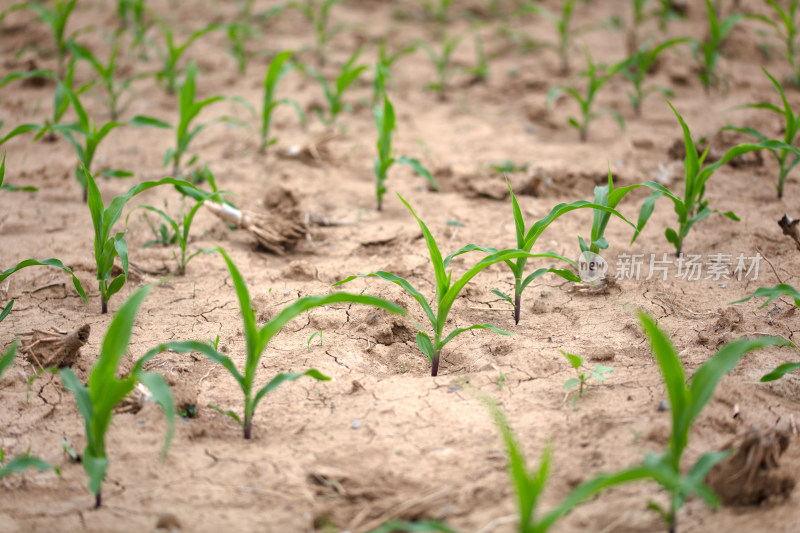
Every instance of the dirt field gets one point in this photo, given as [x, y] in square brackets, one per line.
[384, 439]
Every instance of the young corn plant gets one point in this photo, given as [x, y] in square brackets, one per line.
[595, 79]
[561, 22]
[576, 361]
[706, 52]
[441, 61]
[239, 33]
[437, 10]
[686, 403]
[447, 290]
[385, 122]
[526, 240]
[188, 109]
[334, 94]
[107, 247]
[790, 129]
[786, 29]
[317, 12]
[256, 340]
[107, 74]
[383, 68]
[172, 53]
[279, 66]
[480, 72]
[56, 18]
[132, 16]
[636, 67]
[104, 390]
[693, 207]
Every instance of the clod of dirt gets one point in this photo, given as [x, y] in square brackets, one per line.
[478, 184]
[752, 473]
[791, 228]
[720, 332]
[167, 522]
[314, 153]
[388, 330]
[300, 271]
[600, 286]
[55, 348]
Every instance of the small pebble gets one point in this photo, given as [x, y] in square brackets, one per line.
[287, 292]
[453, 388]
[663, 405]
[356, 424]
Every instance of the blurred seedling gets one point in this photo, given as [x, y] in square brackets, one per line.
[786, 29]
[278, 67]
[385, 123]
[317, 13]
[595, 79]
[383, 68]
[509, 167]
[96, 401]
[188, 108]
[480, 72]
[334, 93]
[790, 130]
[686, 403]
[693, 207]
[132, 16]
[668, 11]
[23, 462]
[442, 63]
[437, 10]
[56, 18]
[107, 247]
[446, 290]
[583, 374]
[311, 338]
[636, 67]
[772, 293]
[706, 52]
[239, 33]
[257, 339]
[562, 23]
[161, 233]
[171, 54]
[526, 240]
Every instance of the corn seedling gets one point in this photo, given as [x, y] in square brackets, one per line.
[576, 361]
[706, 52]
[686, 403]
[238, 34]
[278, 67]
[188, 109]
[171, 55]
[334, 94]
[668, 11]
[561, 22]
[480, 72]
[446, 290]
[385, 122]
[786, 29]
[131, 14]
[56, 18]
[108, 247]
[181, 228]
[441, 61]
[595, 79]
[437, 10]
[256, 340]
[161, 234]
[771, 293]
[311, 338]
[97, 400]
[636, 67]
[693, 207]
[526, 240]
[318, 13]
[23, 462]
[106, 73]
[790, 130]
[383, 68]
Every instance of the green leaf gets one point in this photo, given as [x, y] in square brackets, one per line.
[771, 293]
[575, 360]
[425, 345]
[405, 285]
[283, 377]
[458, 331]
[161, 394]
[571, 382]
[419, 169]
[6, 310]
[227, 412]
[140, 121]
[780, 371]
[22, 463]
[8, 358]
[46, 262]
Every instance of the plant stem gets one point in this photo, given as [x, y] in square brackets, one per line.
[248, 426]
[103, 305]
[435, 367]
[517, 306]
[98, 500]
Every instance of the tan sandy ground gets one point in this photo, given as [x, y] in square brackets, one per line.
[384, 439]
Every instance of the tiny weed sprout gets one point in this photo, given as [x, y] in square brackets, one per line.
[526, 240]
[257, 339]
[188, 109]
[771, 293]
[108, 247]
[181, 228]
[442, 63]
[446, 290]
[168, 75]
[334, 94]
[8, 186]
[23, 462]
[706, 52]
[595, 79]
[425, 526]
[561, 22]
[606, 196]
[786, 29]
[385, 122]
[311, 338]
[278, 67]
[107, 73]
[583, 375]
[693, 207]
[480, 72]
[97, 400]
[56, 19]
[790, 129]
[686, 404]
[636, 67]
[317, 12]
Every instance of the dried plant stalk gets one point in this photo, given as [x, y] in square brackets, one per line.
[790, 227]
[275, 233]
[55, 348]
